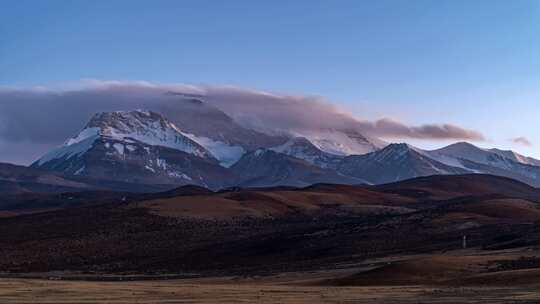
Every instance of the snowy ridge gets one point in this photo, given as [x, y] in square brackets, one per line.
[342, 142]
[516, 157]
[225, 153]
[393, 163]
[302, 148]
[397, 152]
[147, 127]
[73, 147]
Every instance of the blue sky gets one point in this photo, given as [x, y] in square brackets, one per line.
[471, 63]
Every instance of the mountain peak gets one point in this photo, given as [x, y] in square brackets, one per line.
[393, 152]
[303, 148]
[394, 162]
[127, 128]
[399, 147]
[467, 155]
[295, 143]
[463, 146]
[341, 142]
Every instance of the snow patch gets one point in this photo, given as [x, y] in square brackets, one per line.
[179, 175]
[144, 127]
[226, 154]
[161, 163]
[80, 170]
[83, 135]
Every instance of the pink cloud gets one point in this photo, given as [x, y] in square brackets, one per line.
[522, 141]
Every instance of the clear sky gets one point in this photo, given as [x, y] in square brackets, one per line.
[472, 63]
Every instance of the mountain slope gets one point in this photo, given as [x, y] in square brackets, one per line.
[265, 167]
[18, 179]
[446, 186]
[525, 173]
[516, 157]
[394, 163]
[302, 148]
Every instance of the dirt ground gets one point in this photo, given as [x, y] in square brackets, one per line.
[186, 291]
[456, 270]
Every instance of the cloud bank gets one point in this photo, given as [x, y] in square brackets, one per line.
[268, 112]
[46, 117]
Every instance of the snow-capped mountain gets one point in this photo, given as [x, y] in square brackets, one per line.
[129, 127]
[342, 142]
[490, 161]
[135, 146]
[454, 155]
[394, 163]
[302, 148]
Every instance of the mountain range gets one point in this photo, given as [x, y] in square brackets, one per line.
[140, 150]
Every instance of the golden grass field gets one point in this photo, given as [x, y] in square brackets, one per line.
[453, 277]
[182, 291]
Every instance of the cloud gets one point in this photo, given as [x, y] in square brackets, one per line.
[270, 112]
[47, 116]
[521, 141]
[390, 128]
